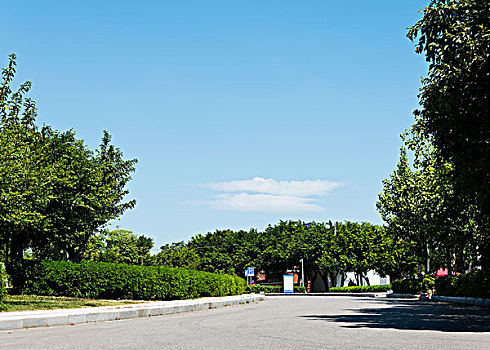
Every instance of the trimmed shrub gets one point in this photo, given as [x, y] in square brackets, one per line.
[474, 284]
[299, 289]
[409, 286]
[3, 285]
[428, 283]
[99, 280]
[361, 289]
[272, 289]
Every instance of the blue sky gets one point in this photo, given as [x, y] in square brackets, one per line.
[240, 113]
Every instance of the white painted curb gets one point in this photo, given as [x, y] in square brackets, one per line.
[46, 318]
[332, 294]
[462, 300]
[403, 296]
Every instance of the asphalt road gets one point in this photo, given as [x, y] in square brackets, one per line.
[280, 323]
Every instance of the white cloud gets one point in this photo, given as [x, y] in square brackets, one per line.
[250, 203]
[270, 186]
[269, 195]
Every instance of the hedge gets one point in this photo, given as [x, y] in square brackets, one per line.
[3, 285]
[272, 289]
[361, 289]
[474, 284]
[408, 286]
[120, 281]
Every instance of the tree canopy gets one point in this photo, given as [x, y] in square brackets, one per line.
[120, 246]
[54, 192]
[328, 250]
[454, 36]
[441, 202]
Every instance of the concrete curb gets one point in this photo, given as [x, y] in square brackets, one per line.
[456, 300]
[363, 295]
[402, 296]
[463, 300]
[61, 317]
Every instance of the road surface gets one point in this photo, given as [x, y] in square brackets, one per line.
[291, 322]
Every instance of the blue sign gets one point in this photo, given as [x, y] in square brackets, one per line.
[288, 284]
[249, 272]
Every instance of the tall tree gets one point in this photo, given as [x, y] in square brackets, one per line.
[421, 209]
[24, 176]
[454, 36]
[54, 192]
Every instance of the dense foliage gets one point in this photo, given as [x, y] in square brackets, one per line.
[328, 251]
[3, 285]
[454, 36]
[120, 281]
[177, 255]
[421, 207]
[473, 284]
[55, 193]
[361, 289]
[120, 246]
[440, 203]
[407, 286]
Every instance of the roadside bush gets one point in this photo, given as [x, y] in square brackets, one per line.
[361, 289]
[99, 280]
[474, 284]
[428, 283]
[3, 285]
[408, 286]
[272, 289]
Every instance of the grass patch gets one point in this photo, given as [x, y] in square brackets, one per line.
[36, 302]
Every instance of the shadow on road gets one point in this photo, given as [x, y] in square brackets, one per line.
[415, 315]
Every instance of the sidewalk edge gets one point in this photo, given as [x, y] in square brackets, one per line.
[76, 316]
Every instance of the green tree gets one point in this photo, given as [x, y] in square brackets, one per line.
[333, 258]
[402, 204]
[423, 212]
[247, 252]
[454, 36]
[310, 243]
[226, 251]
[278, 251]
[401, 258]
[54, 192]
[120, 246]
[177, 255]
[363, 247]
[327, 252]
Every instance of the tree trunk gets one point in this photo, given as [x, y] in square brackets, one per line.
[449, 263]
[333, 279]
[358, 279]
[324, 277]
[15, 255]
[366, 279]
[312, 278]
[427, 261]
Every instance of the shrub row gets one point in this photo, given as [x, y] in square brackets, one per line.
[408, 286]
[474, 284]
[361, 289]
[3, 285]
[271, 289]
[120, 281]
